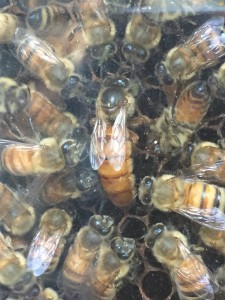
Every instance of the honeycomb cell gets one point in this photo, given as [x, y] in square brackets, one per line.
[133, 228]
[129, 291]
[157, 285]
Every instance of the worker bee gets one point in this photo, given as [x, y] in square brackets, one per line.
[202, 49]
[97, 27]
[48, 243]
[80, 257]
[125, 250]
[38, 57]
[69, 184]
[213, 238]
[14, 97]
[216, 82]
[23, 159]
[9, 24]
[13, 264]
[110, 147]
[177, 123]
[17, 216]
[208, 161]
[104, 274]
[201, 202]
[48, 19]
[47, 118]
[142, 34]
[191, 276]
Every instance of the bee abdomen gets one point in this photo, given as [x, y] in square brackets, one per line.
[197, 281]
[193, 104]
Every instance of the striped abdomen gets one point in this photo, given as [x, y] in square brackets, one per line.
[47, 118]
[193, 282]
[22, 160]
[202, 195]
[193, 103]
[48, 18]
[9, 23]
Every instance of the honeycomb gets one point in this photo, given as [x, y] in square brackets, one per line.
[147, 279]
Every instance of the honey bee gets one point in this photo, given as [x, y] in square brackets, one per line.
[69, 184]
[47, 118]
[142, 34]
[104, 274]
[48, 243]
[216, 83]
[110, 147]
[38, 58]
[80, 257]
[177, 123]
[22, 159]
[97, 27]
[14, 97]
[13, 264]
[17, 217]
[48, 19]
[192, 278]
[9, 24]
[208, 161]
[125, 250]
[213, 238]
[201, 202]
[201, 50]
[21, 6]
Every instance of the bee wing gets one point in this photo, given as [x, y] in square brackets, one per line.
[23, 36]
[117, 143]
[192, 273]
[210, 33]
[97, 144]
[42, 250]
[213, 217]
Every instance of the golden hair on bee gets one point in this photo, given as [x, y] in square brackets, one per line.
[47, 118]
[22, 159]
[104, 273]
[192, 278]
[12, 264]
[55, 224]
[201, 50]
[201, 202]
[48, 19]
[39, 59]
[208, 161]
[14, 96]
[97, 27]
[213, 238]
[80, 257]
[175, 126]
[143, 33]
[9, 23]
[17, 216]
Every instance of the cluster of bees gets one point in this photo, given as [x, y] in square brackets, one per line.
[74, 112]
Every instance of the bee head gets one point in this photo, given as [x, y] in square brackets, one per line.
[153, 234]
[123, 247]
[103, 224]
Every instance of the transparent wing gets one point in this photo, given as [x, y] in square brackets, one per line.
[42, 250]
[97, 144]
[23, 39]
[213, 217]
[192, 277]
[208, 39]
[117, 142]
